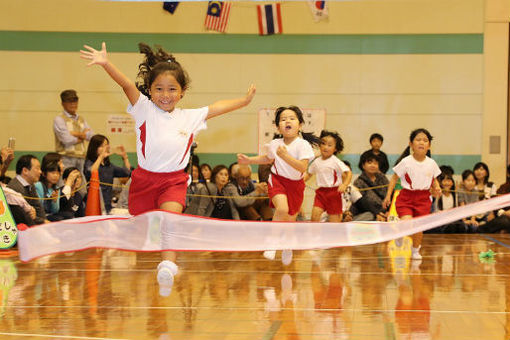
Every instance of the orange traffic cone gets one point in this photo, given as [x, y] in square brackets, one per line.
[93, 200]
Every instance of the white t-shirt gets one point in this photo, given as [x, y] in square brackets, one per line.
[328, 172]
[416, 175]
[299, 149]
[163, 140]
[447, 201]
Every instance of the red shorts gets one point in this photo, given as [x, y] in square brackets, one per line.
[328, 199]
[149, 190]
[413, 202]
[294, 190]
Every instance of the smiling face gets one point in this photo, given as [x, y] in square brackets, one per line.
[327, 147]
[166, 92]
[420, 145]
[289, 124]
[371, 167]
[446, 183]
[480, 174]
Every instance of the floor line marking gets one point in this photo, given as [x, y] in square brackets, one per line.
[497, 241]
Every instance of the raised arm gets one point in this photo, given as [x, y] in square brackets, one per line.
[101, 58]
[224, 106]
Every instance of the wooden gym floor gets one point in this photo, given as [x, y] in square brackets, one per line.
[364, 292]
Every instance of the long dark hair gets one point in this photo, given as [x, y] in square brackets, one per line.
[48, 167]
[486, 168]
[412, 136]
[95, 142]
[446, 174]
[156, 62]
[309, 137]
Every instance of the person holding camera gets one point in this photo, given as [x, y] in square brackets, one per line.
[71, 200]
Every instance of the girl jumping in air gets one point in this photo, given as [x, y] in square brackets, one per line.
[289, 156]
[332, 176]
[164, 135]
[417, 174]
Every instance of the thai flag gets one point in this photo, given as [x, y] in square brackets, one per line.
[217, 15]
[270, 19]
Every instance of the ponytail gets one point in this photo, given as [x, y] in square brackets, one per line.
[311, 138]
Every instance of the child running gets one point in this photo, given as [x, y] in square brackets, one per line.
[164, 135]
[417, 174]
[332, 176]
[289, 157]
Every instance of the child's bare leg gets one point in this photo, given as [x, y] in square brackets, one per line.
[316, 214]
[335, 218]
[281, 205]
[167, 268]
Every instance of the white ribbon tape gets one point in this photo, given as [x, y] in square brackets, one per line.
[161, 230]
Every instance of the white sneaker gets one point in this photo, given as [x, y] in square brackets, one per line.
[286, 256]
[415, 253]
[270, 254]
[166, 272]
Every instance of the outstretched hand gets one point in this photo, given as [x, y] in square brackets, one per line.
[250, 94]
[95, 56]
[243, 159]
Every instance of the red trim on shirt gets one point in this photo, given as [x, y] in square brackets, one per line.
[190, 141]
[142, 137]
[408, 180]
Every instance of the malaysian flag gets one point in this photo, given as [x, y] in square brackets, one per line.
[217, 15]
[270, 19]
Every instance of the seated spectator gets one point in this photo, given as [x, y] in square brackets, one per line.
[248, 206]
[232, 168]
[501, 223]
[71, 201]
[192, 201]
[486, 188]
[376, 141]
[469, 194]
[48, 190]
[55, 157]
[21, 211]
[6, 157]
[205, 172]
[447, 200]
[352, 203]
[505, 187]
[28, 171]
[98, 153]
[217, 207]
[371, 177]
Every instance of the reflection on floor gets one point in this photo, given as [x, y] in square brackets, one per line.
[366, 292]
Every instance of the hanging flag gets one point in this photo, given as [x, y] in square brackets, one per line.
[270, 19]
[217, 15]
[319, 9]
[170, 6]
